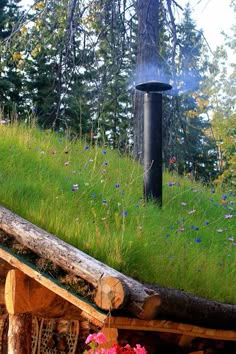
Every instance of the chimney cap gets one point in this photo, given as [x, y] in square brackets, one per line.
[153, 86]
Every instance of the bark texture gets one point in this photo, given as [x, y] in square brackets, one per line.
[148, 62]
[180, 306]
[19, 334]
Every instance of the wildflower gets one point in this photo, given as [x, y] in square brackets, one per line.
[228, 216]
[194, 228]
[231, 238]
[223, 201]
[105, 163]
[90, 160]
[198, 240]
[181, 229]
[52, 152]
[171, 183]
[86, 147]
[224, 197]
[104, 201]
[183, 204]
[206, 222]
[66, 163]
[75, 187]
[93, 195]
[172, 160]
[117, 185]
[192, 211]
[104, 152]
[219, 230]
[124, 213]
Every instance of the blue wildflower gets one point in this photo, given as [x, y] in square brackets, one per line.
[93, 195]
[124, 213]
[117, 185]
[104, 201]
[224, 197]
[75, 187]
[105, 163]
[104, 152]
[86, 147]
[198, 240]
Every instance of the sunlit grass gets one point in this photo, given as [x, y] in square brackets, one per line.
[189, 244]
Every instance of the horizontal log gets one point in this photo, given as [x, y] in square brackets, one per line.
[77, 262]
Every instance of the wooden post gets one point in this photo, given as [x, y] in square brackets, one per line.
[2, 293]
[19, 334]
[111, 336]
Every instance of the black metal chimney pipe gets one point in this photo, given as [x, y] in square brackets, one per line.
[152, 180]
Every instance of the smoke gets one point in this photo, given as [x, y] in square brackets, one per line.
[187, 81]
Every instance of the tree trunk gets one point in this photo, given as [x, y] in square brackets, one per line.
[19, 334]
[148, 62]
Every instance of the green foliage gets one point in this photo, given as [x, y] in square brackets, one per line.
[188, 244]
[10, 78]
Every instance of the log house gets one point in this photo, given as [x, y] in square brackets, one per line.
[41, 314]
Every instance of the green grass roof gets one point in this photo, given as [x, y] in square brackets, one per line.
[91, 197]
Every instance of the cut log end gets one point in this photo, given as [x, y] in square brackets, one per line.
[150, 307]
[111, 293]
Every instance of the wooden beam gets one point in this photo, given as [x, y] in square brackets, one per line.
[19, 334]
[169, 327]
[25, 295]
[4, 268]
[142, 302]
[88, 311]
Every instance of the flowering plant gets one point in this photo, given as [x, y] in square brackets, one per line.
[95, 339]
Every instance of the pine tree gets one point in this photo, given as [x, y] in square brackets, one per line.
[10, 78]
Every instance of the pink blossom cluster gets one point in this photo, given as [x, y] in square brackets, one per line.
[95, 339]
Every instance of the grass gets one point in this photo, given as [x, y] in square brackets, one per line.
[188, 244]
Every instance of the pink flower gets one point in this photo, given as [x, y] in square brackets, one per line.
[90, 338]
[228, 216]
[139, 349]
[53, 152]
[100, 338]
